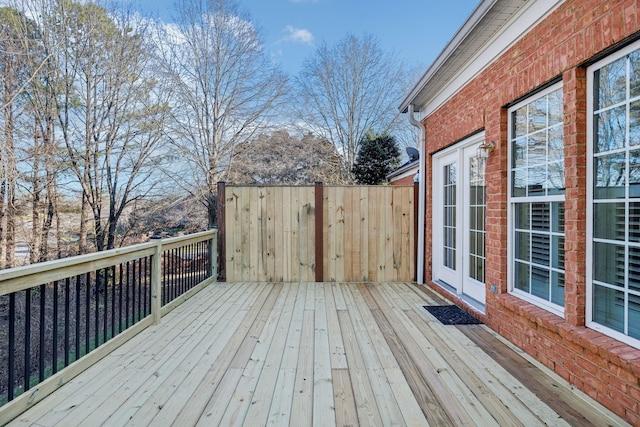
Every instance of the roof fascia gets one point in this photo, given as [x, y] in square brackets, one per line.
[496, 35]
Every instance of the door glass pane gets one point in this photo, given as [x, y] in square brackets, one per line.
[477, 207]
[449, 216]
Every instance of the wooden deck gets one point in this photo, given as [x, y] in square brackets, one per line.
[314, 354]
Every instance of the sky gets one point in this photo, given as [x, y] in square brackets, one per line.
[417, 30]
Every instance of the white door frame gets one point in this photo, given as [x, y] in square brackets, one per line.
[461, 155]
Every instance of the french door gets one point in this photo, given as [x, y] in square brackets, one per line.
[459, 202]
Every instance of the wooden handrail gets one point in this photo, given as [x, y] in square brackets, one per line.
[20, 278]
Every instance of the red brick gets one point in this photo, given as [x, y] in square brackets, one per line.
[624, 400]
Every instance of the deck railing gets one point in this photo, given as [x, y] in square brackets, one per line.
[59, 317]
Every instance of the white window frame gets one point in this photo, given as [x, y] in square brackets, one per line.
[542, 303]
[590, 323]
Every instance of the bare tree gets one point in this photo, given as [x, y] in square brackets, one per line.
[110, 113]
[13, 69]
[280, 158]
[225, 89]
[348, 90]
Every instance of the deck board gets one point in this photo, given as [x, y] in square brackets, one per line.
[313, 354]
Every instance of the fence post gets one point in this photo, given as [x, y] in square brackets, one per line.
[319, 211]
[220, 219]
[213, 255]
[156, 284]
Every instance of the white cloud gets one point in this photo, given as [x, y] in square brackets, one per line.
[297, 35]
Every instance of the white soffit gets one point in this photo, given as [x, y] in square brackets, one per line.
[493, 27]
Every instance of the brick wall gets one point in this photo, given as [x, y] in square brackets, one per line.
[407, 180]
[604, 368]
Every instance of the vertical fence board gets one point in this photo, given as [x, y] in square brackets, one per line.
[363, 225]
[374, 223]
[367, 233]
[278, 230]
[349, 228]
[271, 235]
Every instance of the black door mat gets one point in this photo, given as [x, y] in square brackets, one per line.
[451, 315]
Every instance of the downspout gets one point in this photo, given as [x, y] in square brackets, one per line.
[421, 193]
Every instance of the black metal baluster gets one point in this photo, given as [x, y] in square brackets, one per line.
[77, 315]
[189, 266]
[12, 346]
[41, 331]
[54, 353]
[147, 303]
[197, 269]
[120, 299]
[27, 339]
[174, 273]
[149, 284]
[87, 305]
[67, 282]
[207, 260]
[164, 282]
[126, 300]
[140, 297]
[97, 286]
[180, 260]
[105, 289]
[113, 301]
[133, 293]
[168, 260]
[184, 275]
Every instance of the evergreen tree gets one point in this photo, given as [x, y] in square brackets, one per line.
[378, 156]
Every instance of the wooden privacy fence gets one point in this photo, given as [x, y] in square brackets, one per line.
[317, 233]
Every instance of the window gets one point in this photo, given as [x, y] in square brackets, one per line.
[613, 264]
[537, 199]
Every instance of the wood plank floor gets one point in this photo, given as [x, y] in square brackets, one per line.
[319, 354]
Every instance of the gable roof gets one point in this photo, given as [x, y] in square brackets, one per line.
[491, 28]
